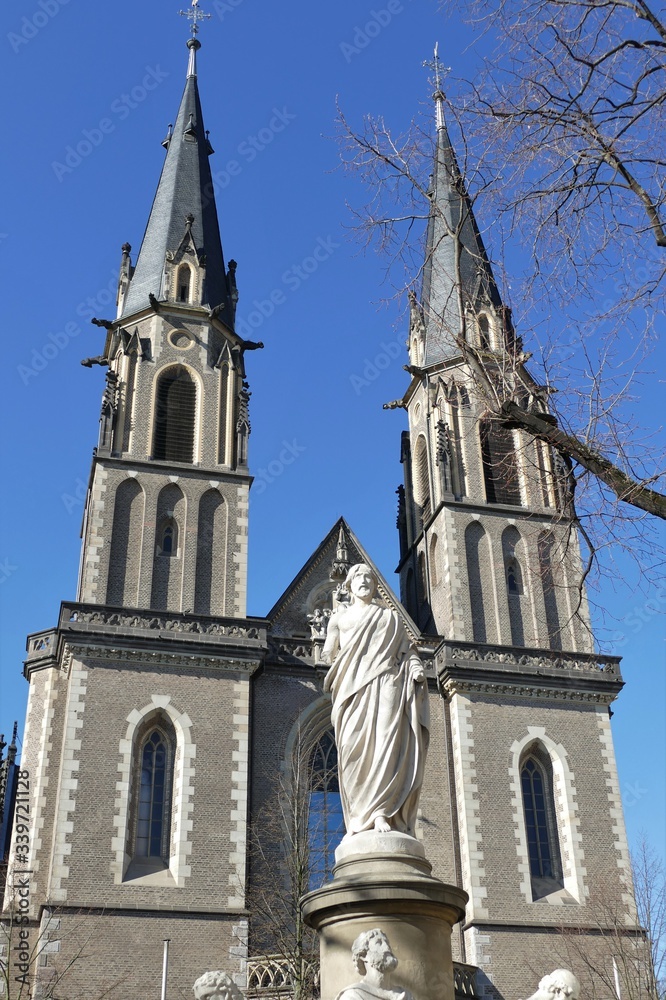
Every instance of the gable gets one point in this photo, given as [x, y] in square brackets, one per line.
[312, 587]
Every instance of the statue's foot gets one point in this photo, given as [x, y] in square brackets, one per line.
[382, 825]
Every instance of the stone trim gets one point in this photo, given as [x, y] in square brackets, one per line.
[182, 806]
[239, 548]
[616, 814]
[239, 795]
[467, 795]
[94, 540]
[478, 947]
[68, 781]
[238, 953]
[566, 810]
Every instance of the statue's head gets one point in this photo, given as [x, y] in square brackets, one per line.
[560, 985]
[372, 949]
[361, 581]
[216, 986]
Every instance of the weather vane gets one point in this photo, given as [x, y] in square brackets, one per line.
[195, 15]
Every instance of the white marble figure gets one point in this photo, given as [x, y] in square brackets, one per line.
[380, 710]
[374, 960]
[559, 985]
[216, 986]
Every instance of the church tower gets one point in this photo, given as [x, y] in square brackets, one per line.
[136, 743]
[490, 569]
[166, 517]
[487, 551]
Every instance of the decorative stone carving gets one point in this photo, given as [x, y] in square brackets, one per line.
[318, 622]
[162, 623]
[552, 660]
[216, 986]
[109, 408]
[374, 960]
[559, 985]
[380, 710]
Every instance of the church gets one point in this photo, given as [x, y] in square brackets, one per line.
[164, 724]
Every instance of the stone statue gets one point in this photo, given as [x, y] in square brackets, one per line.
[559, 985]
[216, 986]
[374, 960]
[318, 622]
[380, 710]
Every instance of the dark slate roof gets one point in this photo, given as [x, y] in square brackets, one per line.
[185, 187]
[452, 208]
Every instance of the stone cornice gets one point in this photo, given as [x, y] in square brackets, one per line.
[168, 469]
[163, 658]
[522, 689]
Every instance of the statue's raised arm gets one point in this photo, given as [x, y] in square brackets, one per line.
[380, 710]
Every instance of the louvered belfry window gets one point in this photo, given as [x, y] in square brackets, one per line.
[175, 416]
[500, 467]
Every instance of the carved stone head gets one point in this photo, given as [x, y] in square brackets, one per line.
[558, 985]
[216, 986]
[372, 949]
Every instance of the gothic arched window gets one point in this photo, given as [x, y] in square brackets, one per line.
[149, 832]
[500, 465]
[536, 780]
[168, 538]
[175, 413]
[484, 332]
[513, 577]
[326, 826]
[184, 282]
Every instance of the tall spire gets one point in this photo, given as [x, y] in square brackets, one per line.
[185, 189]
[457, 270]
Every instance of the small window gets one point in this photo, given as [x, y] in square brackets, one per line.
[513, 578]
[484, 332]
[168, 536]
[184, 280]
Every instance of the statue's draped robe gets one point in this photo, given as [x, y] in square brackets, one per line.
[380, 716]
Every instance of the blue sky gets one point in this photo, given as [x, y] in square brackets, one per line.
[106, 79]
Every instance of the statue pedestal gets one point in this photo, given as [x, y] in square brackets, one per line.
[384, 881]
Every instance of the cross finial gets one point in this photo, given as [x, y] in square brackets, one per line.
[195, 15]
[438, 96]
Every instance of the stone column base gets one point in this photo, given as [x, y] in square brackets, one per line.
[389, 887]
